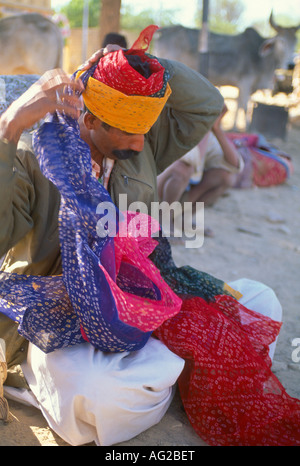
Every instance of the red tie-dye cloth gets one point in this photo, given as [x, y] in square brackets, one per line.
[228, 390]
[115, 71]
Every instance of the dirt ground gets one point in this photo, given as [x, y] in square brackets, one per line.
[256, 235]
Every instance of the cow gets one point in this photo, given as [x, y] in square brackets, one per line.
[30, 44]
[246, 61]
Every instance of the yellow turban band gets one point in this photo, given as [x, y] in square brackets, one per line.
[131, 113]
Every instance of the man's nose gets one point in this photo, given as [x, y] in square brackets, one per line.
[137, 143]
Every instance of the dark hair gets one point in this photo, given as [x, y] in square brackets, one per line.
[86, 110]
[106, 126]
[114, 38]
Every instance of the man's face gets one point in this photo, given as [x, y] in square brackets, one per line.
[114, 143]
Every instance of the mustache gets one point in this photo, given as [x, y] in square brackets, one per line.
[124, 154]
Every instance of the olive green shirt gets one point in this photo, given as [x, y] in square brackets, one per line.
[29, 205]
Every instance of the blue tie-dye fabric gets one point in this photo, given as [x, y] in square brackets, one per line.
[50, 310]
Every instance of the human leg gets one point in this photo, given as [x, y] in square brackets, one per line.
[172, 184]
[214, 183]
[87, 395]
[173, 181]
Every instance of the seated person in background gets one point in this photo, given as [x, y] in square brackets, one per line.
[205, 172]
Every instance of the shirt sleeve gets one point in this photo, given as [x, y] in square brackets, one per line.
[188, 115]
[17, 196]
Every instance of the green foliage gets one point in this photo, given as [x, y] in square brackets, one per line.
[136, 22]
[74, 12]
[224, 16]
[129, 21]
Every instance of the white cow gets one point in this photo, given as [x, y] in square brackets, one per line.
[30, 44]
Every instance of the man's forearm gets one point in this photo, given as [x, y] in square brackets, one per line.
[230, 152]
[10, 130]
[37, 101]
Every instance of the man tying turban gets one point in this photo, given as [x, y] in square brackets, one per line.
[101, 398]
[87, 377]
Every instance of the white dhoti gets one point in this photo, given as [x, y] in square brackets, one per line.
[259, 298]
[86, 395]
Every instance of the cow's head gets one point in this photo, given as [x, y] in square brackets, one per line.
[281, 46]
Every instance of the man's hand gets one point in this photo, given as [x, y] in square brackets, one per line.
[45, 96]
[217, 123]
[99, 54]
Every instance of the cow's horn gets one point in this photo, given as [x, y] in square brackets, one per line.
[272, 22]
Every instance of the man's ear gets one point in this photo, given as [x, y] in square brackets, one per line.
[89, 120]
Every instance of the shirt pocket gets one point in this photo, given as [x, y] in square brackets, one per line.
[125, 189]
